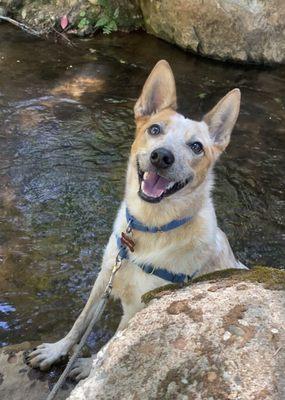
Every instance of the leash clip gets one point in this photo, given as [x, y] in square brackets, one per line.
[118, 260]
[129, 228]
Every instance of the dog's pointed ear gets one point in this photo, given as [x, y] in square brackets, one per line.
[159, 91]
[222, 118]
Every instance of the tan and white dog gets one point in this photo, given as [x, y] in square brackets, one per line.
[169, 178]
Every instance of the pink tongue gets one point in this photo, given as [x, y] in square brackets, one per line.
[154, 185]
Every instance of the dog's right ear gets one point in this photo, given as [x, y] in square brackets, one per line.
[159, 91]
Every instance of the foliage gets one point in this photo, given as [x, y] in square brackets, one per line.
[84, 22]
[108, 20]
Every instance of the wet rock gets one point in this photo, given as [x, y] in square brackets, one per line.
[11, 5]
[3, 11]
[242, 31]
[20, 382]
[196, 343]
[247, 31]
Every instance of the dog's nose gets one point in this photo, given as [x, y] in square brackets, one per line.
[162, 158]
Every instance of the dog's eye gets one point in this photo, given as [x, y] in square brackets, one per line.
[197, 147]
[154, 130]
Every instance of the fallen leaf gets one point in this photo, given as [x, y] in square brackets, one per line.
[64, 22]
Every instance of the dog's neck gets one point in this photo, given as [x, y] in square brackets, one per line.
[169, 209]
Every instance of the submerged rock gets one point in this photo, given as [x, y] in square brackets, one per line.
[245, 30]
[219, 339]
[20, 382]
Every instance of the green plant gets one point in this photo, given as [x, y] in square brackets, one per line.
[84, 21]
[108, 20]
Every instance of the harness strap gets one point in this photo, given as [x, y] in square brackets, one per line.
[137, 225]
[150, 269]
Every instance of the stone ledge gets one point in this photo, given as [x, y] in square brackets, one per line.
[219, 339]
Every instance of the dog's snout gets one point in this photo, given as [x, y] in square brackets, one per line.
[162, 158]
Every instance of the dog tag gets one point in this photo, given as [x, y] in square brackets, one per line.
[127, 241]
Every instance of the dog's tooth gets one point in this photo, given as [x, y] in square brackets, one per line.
[170, 185]
[145, 175]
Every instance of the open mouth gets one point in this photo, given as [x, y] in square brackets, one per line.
[153, 187]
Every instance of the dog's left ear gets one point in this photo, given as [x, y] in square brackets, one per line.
[222, 118]
[159, 91]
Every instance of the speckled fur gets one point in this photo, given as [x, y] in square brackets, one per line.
[198, 246]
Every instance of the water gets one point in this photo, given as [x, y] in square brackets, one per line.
[66, 127]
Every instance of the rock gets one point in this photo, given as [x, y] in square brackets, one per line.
[20, 382]
[243, 31]
[219, 339]
[3, 12]
[11, 5]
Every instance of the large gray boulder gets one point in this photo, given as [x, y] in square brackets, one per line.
[214, 340]
[243, 30]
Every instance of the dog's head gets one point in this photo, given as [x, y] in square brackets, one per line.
[172, 155]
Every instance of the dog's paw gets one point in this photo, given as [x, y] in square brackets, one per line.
[81, 369]
[47, 354]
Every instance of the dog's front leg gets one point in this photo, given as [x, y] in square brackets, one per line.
[48, 353]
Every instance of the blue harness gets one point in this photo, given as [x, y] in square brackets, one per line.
[162, 273]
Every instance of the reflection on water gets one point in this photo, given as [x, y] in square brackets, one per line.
[66, 126]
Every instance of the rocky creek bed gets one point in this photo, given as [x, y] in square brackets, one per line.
[251, 31]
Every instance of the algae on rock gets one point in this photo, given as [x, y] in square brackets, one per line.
[271, 278]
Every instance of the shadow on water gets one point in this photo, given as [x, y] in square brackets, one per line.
[66, 127]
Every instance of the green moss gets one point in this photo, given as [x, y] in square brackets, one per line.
[224, 274]
[271, 278]
[156, 293]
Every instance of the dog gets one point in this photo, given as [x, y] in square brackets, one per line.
[167, 215]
